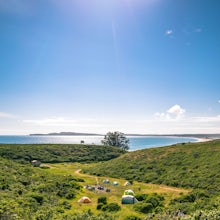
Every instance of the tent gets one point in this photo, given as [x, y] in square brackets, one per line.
[106, 181]
[128, 199]
[84, 199]
[36, 163]
[127, 184]
[91, 188]
[129, 192]
[115, 183]
[100, 187]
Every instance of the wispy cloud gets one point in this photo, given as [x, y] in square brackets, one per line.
[60, 121]
[219, 101]
[171, 121]
[169, 32]
[55, 121]
[6, 115]
[207, 119]
[173, 113]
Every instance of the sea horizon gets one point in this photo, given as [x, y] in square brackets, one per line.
[135, 142]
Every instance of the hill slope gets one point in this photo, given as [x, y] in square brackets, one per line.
[34, 193]
[192, 165]
[55, 153]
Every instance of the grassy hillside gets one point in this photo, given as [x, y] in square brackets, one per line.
[114, 196]
[55, 153]
[34, 193]
[192, 165]
[28, 192]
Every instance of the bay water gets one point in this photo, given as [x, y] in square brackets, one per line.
[135, 142]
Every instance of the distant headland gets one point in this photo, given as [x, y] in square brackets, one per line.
[203, 136]
[66, 134]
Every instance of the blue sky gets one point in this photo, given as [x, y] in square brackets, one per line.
[137, 66]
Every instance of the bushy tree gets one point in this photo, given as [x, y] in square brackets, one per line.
[102, 199]
[111, 207]
[143, 207]
[116, 139]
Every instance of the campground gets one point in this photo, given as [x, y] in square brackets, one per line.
[116, 192]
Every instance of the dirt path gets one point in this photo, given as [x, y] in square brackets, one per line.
[173, 189]
[97, 181]
[162, 187]
[78, 172]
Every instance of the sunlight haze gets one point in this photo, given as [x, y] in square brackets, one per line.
[135, 66]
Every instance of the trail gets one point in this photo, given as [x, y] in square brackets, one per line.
[78, 172]
[164, 187]
[173, 189]
[97, 181]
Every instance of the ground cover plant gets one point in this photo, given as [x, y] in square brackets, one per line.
[56, 153]
[28, 192]
[193, 166]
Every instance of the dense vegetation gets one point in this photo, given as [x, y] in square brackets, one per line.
[193, 165]
[55, 153]
[33, 193]
[28, 192]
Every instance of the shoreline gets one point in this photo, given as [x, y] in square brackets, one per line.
[199, 140]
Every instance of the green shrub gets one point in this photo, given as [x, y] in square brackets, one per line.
[154, 201]
[37, 197]
[70, 195]
[132, 217]
[56, 153]
[143, 207]
[102, 199]
[99, 206]
[111, 207]
[207, 215]
[66, 205]
[141, 197]
[33, 193]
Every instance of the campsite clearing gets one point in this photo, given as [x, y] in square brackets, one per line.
[116, 192]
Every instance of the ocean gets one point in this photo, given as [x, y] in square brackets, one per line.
[136, 143]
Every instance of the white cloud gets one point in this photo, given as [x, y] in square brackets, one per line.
[219, 101]
[169, 32]
[207, 119]
[61, 122]
[176, 111]
[6, 115]
[47, 121]
[161, 116]
[171, 121]
[173, 113]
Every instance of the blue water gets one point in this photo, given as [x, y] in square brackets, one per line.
[136, 143]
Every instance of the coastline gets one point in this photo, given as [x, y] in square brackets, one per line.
[199, 140]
